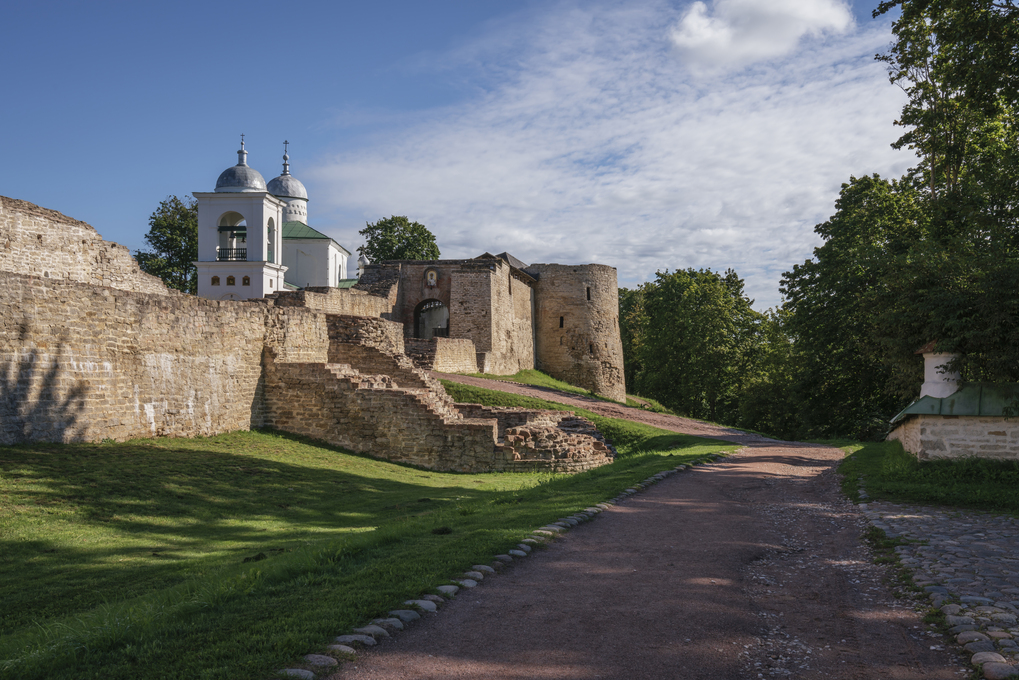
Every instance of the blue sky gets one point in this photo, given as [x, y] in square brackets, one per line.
[645, 134]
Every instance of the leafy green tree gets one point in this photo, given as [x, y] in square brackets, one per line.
[397, 238]
[631, 323]
[833, 301]
[173, 244]
[957, 62]
[768, 401]
[696, 342]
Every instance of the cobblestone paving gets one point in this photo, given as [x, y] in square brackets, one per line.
[969, 563]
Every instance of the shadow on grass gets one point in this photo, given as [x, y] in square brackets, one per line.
[86, 523]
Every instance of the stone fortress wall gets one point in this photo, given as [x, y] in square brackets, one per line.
[84, 361]
[577, 326]
[45, 243]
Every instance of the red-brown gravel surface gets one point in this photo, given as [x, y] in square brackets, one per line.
[751, 567]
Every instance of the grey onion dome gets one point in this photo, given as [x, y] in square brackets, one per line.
[240, 177]
[286, 185]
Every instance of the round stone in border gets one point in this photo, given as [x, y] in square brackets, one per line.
[523, 546]
[342, 649]
[474, 575]
[422, 604]
[366, 640]
[373, 630]
[448, 591]
[298, 673]
[987, 657]
[518, 553]
[999, 671]
[320, 660]
[468, 583]
[484, 568]
[505, 559]
[970, 636]
[405, 615]
[392, 625]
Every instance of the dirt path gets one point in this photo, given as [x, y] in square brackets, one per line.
[748, 568]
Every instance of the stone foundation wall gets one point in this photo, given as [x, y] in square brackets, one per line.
[446, 355]
[44, 243]
[933, 437]
[81, 363]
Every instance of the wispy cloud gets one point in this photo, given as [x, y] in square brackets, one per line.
[590, 141]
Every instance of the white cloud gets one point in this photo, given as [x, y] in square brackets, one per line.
[740, 32]
[595, 146]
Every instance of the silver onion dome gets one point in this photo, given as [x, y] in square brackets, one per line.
[240, 177]
[286, 185]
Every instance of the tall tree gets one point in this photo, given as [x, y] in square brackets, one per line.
[833, 302]
[173, 244]
[958, 62]
[397, 238]
[696, 343]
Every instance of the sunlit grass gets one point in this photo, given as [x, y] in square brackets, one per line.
[890, 473]
[230, 556]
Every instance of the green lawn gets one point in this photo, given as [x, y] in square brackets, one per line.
[231, 556]
[890, 473]
[538, 379]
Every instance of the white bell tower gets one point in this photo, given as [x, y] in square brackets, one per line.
[240, 236]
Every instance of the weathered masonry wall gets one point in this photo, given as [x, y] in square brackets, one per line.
[81, 363]
[41, 242]
[512, 325]
[365, 330]
[931, 437]
[446, 355]
[347, 301]
[366, 414]
[577, 326]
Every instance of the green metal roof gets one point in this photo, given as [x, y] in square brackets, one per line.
[972, 399]
[301, 230]
[346, 283]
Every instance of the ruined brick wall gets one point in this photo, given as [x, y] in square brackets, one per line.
[349, 301]
[446, 355]
[365, 330]
[931, 437]
[577, 326]
[312, 400]
[45, 243]
[81, 363]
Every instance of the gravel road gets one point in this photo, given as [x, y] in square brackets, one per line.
[750, 567]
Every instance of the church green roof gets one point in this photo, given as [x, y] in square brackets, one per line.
[972, 399]
[301, 230]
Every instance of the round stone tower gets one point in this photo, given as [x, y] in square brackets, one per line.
[577, 326]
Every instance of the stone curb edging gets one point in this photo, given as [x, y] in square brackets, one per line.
[973, 636]
[368, 636]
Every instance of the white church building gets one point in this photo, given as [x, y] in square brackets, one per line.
[254, 238]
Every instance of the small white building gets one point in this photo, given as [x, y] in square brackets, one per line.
[254, 238]
[956, 419]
